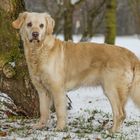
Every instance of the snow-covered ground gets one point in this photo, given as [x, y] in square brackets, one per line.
[90, 114]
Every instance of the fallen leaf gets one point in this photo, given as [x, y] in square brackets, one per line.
[3, 134]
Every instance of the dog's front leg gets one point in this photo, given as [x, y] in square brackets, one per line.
[44, 110]
[59, 98]
[44, 105]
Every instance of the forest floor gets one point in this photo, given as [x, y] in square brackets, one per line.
[89, 118]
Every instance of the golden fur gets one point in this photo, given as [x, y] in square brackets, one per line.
[57, 66]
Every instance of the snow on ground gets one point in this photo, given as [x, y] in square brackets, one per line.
[89, 117]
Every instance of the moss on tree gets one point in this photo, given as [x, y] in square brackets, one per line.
[110, 21]
[14, 80]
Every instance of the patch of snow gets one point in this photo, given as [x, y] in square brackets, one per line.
[4, 110]
[12, 64]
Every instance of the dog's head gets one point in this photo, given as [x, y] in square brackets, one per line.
[34, 26]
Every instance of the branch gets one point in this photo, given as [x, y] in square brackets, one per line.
[96, 11]
[78, 3]
[96, 27]
[58, 16]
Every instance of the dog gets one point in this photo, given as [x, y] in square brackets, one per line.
[56, 67]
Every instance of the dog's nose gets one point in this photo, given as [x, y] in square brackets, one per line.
[35, 34]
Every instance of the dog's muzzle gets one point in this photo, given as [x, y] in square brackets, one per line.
[35, 36]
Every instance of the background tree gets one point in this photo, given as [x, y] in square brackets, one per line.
[68, 10]
[110, 21]
[91, 13]
[135, 6]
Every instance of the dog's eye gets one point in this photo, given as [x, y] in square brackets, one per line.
[41, 25]
[29, 24]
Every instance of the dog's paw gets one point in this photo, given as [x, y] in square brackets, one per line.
[111, 131]
[57, 129]
[60, 127]
[39, 125]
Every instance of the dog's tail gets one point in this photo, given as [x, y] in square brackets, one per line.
[135, 89]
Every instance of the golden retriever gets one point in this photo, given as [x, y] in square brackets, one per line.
[57, 66]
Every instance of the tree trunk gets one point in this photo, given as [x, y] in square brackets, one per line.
[68, 19]
[90, 15]
[135, 7]
[110, 21]
[87, 33]
[14, 77]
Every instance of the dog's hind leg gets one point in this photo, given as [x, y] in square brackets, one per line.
[117, 107]
[123, 92]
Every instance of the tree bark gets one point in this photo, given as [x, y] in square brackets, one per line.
[135, 7]
[110, 21]
[68, 19]
[14, 77]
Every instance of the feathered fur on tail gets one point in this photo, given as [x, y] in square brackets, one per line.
[135, 90]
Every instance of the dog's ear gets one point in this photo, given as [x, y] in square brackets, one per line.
[18, 22]
[50, 24]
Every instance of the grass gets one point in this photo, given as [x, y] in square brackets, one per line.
[86, 126]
